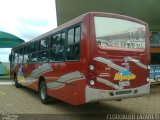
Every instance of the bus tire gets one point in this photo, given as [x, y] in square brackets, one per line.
[16, 82]
[45, 99]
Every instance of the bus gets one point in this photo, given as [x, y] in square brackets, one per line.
[95, 57]
[155, 57]
[3, 69]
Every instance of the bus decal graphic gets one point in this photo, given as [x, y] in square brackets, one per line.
[109, 63]
[41, 70]
[34, 74]
[117, 67]
[123, 72]
[109, 83]
[20, 75]
[137, 62]
[124, 75]
[29, 81]
[67, 78]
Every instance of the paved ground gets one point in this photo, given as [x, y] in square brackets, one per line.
[26, 101]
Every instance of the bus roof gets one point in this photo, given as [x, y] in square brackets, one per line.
[78, 20]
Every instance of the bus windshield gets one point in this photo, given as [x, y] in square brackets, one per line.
[114, 32]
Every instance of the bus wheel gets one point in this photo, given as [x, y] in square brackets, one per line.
[43, 93]
[16, 82]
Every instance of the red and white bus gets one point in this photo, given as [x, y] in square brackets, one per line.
[92, 58]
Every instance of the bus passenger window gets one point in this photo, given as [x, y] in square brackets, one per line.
[59, 54]
[44, 44]
[73, 44]
[43, 56]
[32, 47]
[62, 39]
[52, 55]
[77, 35]
[72, 52]
[56, 54]
[26, 58]
[70, 36]
[36, 46]
[34, 57]
[26, 52]
[16, 57]
[20, 54]
[63, 36]
[57, 48]
[76, 51]
[55, 40]
[69, 53]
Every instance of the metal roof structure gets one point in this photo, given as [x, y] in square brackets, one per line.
[145, 10]
[8, 40]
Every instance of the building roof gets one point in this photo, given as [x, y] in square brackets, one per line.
[145, 10]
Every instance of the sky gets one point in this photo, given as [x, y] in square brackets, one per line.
[26, 19]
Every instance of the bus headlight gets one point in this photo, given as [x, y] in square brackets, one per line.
[149, 67]
[91, 82]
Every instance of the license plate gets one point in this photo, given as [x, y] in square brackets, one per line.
[124, 83]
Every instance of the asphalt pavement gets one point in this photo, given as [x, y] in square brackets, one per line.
[25, 102]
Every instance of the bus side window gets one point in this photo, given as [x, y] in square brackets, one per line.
[73, 44]
[52, 46]
[63, 37]
[70, 34]
[59, 53]
[36, 46]
[20, 54]
[33, 57]
[52, 55]
[77, 42]
[26, 58]
[44, 44]
[32, 47]
[43, 56]
[77, 35]
[57, 47]
[16, 57]
[54, 40]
